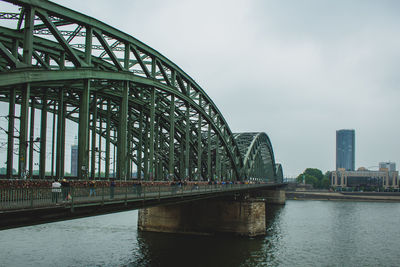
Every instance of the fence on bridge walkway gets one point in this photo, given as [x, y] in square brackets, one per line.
[29, 198]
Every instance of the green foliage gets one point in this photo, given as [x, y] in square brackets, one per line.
[315, 177]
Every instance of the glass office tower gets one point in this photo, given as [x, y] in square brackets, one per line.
[345, 149]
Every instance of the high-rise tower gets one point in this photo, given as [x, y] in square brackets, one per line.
[345, 149]
[74, 158]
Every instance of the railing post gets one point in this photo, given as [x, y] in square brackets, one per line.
[102, 196]
[126, 195]
[72, 199]
[31, 196]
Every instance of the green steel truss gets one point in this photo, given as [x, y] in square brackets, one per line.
[131, 104]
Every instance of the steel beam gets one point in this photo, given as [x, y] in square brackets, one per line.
[83, 131]
[31, 138]
[94, 135]
[10, 139]
[108, 139]
[151, 140]
[140, 146]
[123, 129]
[43, 137]
[23, 130]
[60, 133]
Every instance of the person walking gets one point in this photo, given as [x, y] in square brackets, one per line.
[55, 191]
[112, 187]
[92, 189]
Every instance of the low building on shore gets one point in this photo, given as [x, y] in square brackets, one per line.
[364, 178]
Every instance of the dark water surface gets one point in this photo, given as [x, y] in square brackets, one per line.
[301, 233]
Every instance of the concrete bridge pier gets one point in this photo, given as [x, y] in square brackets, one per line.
[274, 196]
[244, 217]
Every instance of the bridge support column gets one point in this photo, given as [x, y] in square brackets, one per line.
[245, 218]
[274, 196]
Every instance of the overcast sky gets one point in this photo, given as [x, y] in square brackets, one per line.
[297, 70]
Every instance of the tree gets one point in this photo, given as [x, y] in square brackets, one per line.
[315, 177]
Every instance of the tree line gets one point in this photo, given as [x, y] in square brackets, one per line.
[315, 177]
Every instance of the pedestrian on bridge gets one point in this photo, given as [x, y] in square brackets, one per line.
[112, 188]
[65, 187]
[92, 188]
[55, 191]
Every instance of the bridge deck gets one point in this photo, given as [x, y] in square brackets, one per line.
[25, 206]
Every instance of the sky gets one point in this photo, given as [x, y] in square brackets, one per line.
[297, 70]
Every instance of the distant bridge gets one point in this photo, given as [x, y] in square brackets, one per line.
[134, 109]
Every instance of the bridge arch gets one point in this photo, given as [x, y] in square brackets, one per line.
[258, 157]
[125, 97]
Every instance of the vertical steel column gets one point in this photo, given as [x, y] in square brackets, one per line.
[27, 57]
[130, 144]
[160, 173]
[10, 143]
[53, 133]
[43, 138]
[146, 150]
[60, 131]
[122, 138]
[140, 146]
[88, 45]
[108, 139]
[182, 158]
[151, 141]
[11, 121]
[94, 125]
[171, 138]
[83, 131]
[187, 143]
[23, 132]
[217, 158]
[115, 169]
[31, 138]
[100, 136]
[199, 150]
[63, 120]
[156, 148]
[28, 35]
[209, 146]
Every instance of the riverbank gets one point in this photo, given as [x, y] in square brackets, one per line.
[345, 196]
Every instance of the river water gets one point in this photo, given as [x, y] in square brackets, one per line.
[301, 233]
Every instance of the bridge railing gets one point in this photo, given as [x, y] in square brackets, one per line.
[29, 198]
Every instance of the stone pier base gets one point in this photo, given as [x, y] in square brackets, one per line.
[245, 217]
[274, 196]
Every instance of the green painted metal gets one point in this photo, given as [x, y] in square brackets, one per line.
[123, 134]
[171, 158]
[165, 120]
[94, 127]
[108, 139]
[60, 132]
[151, 140]
[31, 138]
[23, 130]
[43, 137]
[10, 139]
[83, 132]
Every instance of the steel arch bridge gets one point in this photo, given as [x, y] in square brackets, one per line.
[133, 108]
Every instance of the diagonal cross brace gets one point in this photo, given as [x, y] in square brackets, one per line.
[74, 58]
